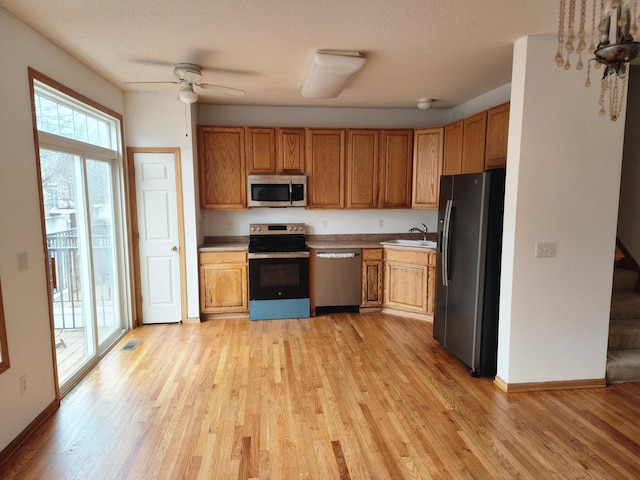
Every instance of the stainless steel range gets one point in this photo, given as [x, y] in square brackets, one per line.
[278, 271]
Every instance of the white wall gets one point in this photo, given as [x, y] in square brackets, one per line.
[159, 120]
[320, 222]
[25, 292]
[490, 99]
[629, 214]
[563, 179]
[320, 117]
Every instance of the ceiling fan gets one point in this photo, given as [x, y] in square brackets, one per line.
[190, 74]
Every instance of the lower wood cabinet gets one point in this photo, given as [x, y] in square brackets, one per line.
[409, 280]
[372, 274]
[223, 282]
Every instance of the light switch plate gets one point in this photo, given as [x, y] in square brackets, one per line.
[23, 262]
[545, 249]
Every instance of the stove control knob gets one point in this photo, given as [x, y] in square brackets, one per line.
[289, 228]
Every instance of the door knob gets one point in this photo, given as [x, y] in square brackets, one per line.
[174, 249]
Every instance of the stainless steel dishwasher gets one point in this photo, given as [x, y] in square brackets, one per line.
[337, 279]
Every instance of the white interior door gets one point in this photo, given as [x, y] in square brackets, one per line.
[159, 238]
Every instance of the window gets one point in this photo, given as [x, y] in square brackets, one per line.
[4, 350]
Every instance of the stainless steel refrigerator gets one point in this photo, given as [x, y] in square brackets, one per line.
[469, 250]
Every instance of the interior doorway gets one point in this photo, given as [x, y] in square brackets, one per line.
[156, 195]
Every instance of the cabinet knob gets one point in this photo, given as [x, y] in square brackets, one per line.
[174, 249]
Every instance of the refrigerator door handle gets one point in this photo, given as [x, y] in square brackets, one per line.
[445, 243]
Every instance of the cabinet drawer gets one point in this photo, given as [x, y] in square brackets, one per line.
[406, 256]
[239, 256]
[372, 254]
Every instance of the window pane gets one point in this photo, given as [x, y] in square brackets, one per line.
[67, 248]
[48, 116]
[80, 126]
[101, 211]
[64, 120]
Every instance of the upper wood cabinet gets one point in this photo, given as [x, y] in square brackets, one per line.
[427, 167]
[325, 166]
[396, 160]
[362, 169]
[497, 136]
[260, 150]
[221, 155]
[473, 143]
[290, 150]
[274, 150]
[453, 148]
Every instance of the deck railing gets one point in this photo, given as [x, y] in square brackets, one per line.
[67, 295]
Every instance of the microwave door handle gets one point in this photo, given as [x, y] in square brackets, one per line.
[290, 192]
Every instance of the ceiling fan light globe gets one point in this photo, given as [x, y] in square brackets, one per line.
[425, 103]
[187, 95]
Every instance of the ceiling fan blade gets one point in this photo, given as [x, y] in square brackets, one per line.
[133, 83]
[219, 88]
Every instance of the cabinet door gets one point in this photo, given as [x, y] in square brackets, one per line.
[497, 136]
[405, 280]
[427, 167]
[473, 143]
[223, 182]
[452, 164]
[223, 282]
[362, 169]
[396, 158]
[261, 150]
[325, 153]
[372, 267]
[290, 150]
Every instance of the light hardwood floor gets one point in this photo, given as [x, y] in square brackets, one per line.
[341, 396]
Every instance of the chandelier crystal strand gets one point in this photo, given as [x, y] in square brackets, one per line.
[614, 99]
[559, 60]
[592, 46]
[571, 34]
[581, 34]
[597, 65]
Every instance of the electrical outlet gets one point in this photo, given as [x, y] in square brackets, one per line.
[545, 249]
[380, 223]
[325, 224]
[23, 384]
[229, 225]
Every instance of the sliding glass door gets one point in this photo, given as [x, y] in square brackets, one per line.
[79, 222]
[82, 175]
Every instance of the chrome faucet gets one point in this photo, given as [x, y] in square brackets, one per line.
[424, 230]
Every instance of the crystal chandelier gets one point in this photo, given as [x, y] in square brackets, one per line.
[616, 20]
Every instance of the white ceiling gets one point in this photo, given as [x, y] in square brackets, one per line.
[449, 50]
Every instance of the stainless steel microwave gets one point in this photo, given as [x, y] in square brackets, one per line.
[277, 190]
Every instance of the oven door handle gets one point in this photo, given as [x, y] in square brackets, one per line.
[278, 255]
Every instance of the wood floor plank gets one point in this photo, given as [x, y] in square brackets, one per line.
[341, 396]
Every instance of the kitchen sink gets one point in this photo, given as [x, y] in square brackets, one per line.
[411, 243]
